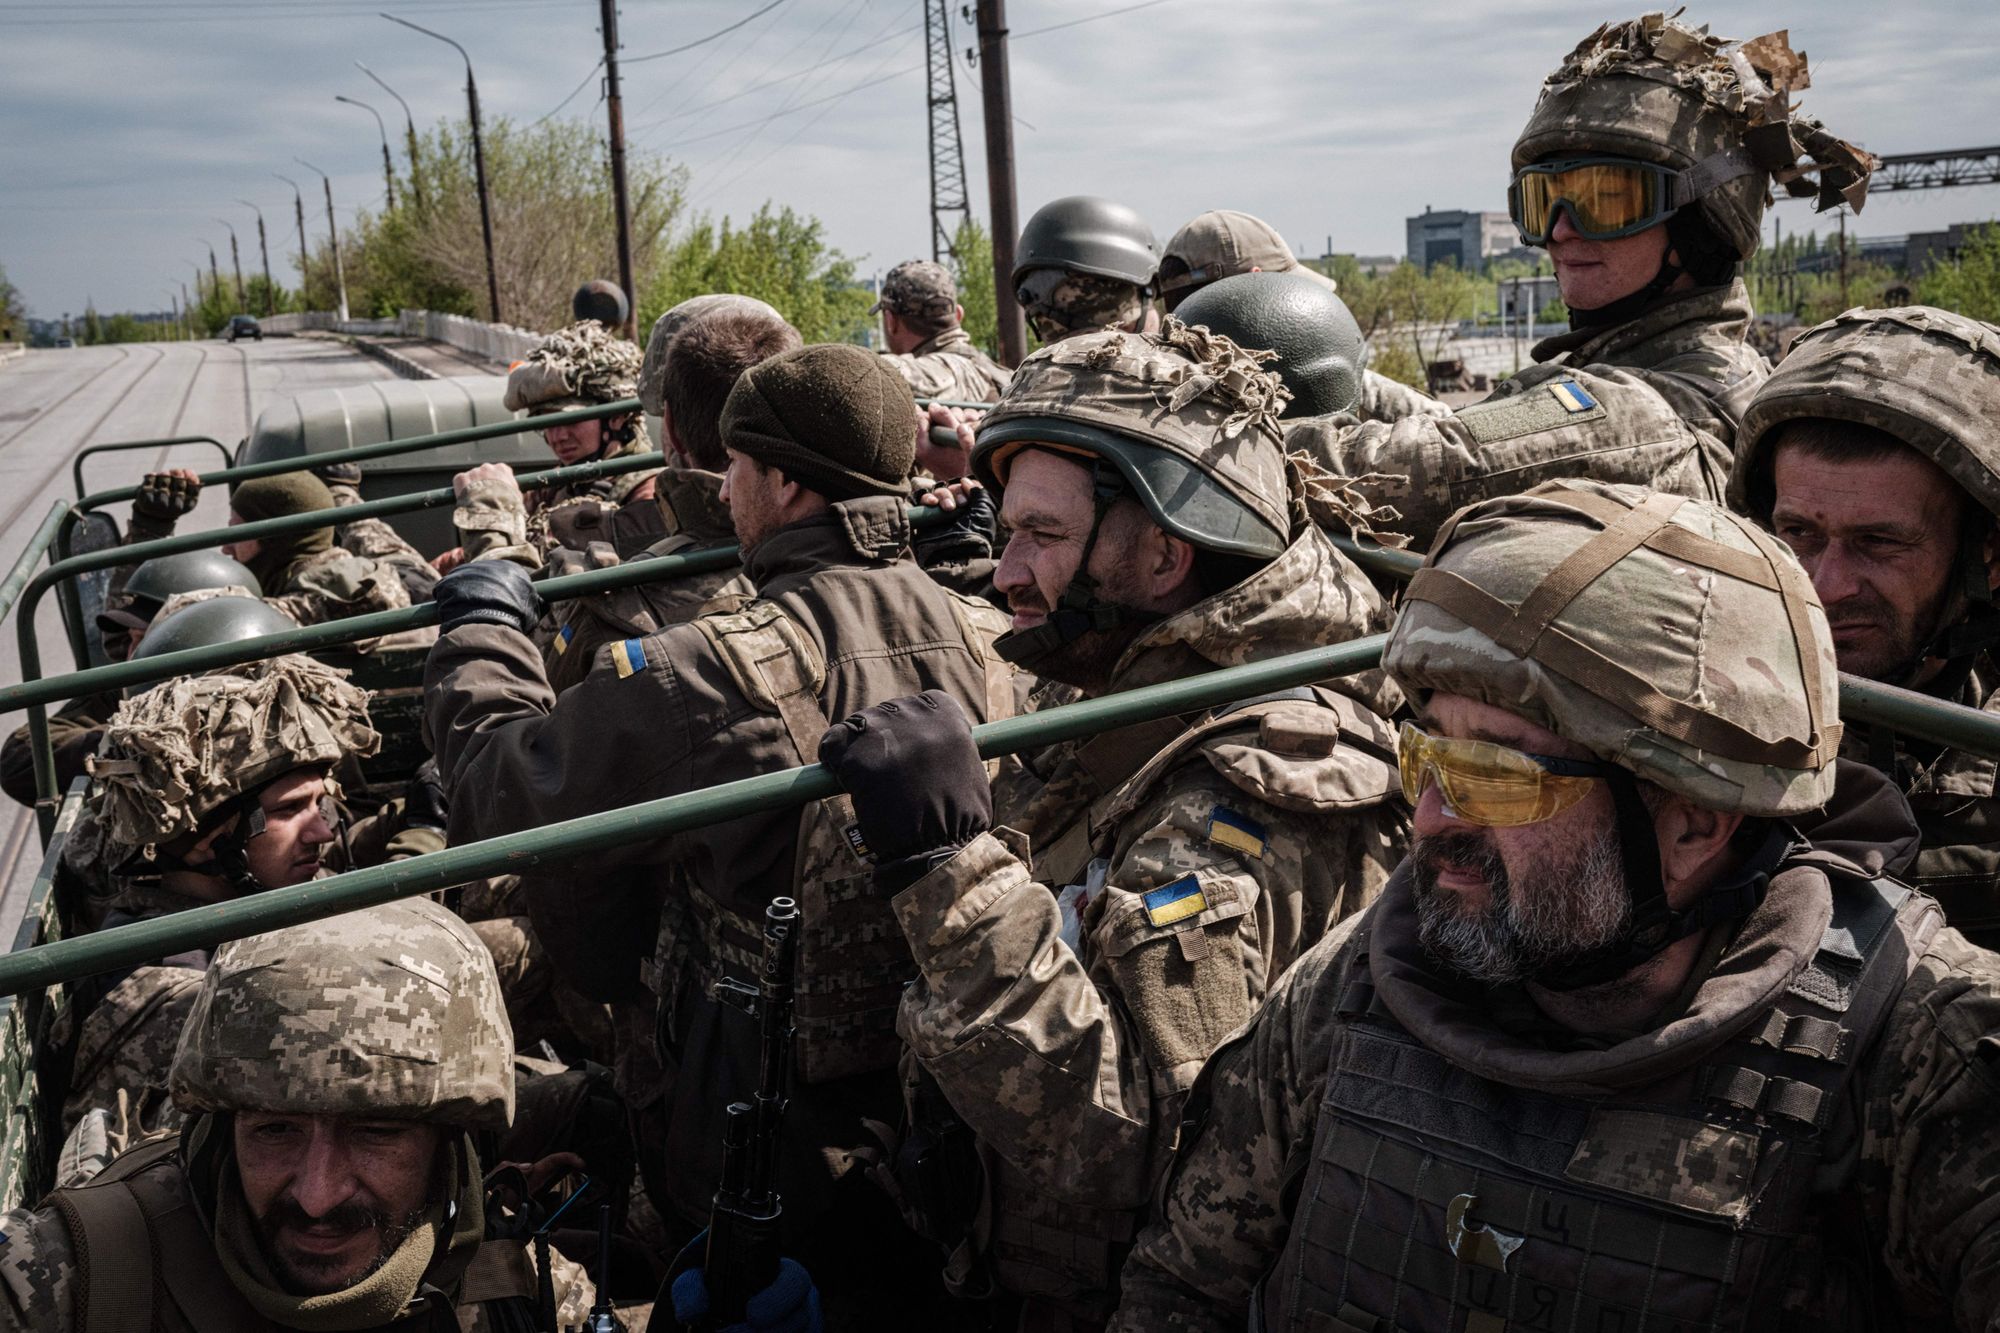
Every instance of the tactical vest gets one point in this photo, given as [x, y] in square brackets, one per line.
[853, 962]
[1711, 1200]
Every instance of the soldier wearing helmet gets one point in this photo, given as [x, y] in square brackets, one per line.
[337, 1079]
[921, 320]
[1644, 171]
[1640, 1034]
[1122, 902]
[1869, 452]
[1223, 243]
[1084, 264]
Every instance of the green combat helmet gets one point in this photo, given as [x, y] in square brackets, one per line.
[1184, 420]
[1319, 346]
[165, 576]
[204, 623]
[1714, 112]
[1667, 636]
[1084, 263]
[602, 301]
[579, 366]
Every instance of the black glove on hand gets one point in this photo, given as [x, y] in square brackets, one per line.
[424, 801]
[969, 532]
[340, 474]
[164, 497]
[490, 592]
[914, 772]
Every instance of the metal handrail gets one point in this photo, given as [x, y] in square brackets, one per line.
[76, 468]
[202, 927]
[38, 545]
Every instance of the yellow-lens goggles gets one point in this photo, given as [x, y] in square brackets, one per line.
[1493, 785]
[1606, 197]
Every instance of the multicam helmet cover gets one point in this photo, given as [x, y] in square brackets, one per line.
[577, 366]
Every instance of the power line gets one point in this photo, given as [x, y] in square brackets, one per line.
[703, 41]
[708, 72]
[574, 91]
[846, 16]
[1092, 18]
[792, 111]
[783, 78]
[249, 15]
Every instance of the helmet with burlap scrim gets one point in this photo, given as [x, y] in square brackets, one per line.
[578, 366]
[177, 755]
[1664, 634]
[394, 1012]
[1717, 112]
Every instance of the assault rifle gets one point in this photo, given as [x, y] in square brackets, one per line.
[742, 1256]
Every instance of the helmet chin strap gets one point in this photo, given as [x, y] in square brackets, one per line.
[1080, 610]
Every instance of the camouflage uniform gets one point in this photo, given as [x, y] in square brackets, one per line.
[1932, 380]
[947, 364]
[1805, 1134]
[391, 1012]
[1201, 855]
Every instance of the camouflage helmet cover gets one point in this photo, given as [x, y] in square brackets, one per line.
[577, 366]
[393, 1012]
[1926, 376]
[1661, 633]
[653, 369]
[1657, 90]
[183, 749]
[1189, 419]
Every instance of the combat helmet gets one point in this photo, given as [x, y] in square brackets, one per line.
[1714, 111]
[577, 366]
[392, 1012]
[1671, 638]
[601, 300]
[653, 368]
[1083, 263]
[1319, 346]
[1184, 421]
[164, 576]
[226, 615]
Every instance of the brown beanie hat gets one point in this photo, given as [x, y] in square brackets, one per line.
[275, 497]
[837, 418]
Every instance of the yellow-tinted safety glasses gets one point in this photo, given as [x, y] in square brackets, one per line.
[1607, 197]
[1493, 785]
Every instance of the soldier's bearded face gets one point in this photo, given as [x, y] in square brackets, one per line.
[333, 1197]
[1499, 905]
[751, 491]
[1880, 538]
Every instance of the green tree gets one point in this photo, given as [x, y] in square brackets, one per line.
[780, 257]
[1969, 284]
[972, 270]
[13, 311]
[93, 326]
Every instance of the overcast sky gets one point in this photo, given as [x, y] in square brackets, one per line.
[132, 124]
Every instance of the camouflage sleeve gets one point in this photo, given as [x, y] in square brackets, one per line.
[37, 1272]
[74, 731]
[1932, 1123]
[492, 523]
[1384, 399]
[1607, 423]
[1221, 1218]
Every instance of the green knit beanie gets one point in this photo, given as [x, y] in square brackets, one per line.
[276, 497]
[837, 418]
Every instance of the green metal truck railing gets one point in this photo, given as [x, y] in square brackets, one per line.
[205, 926]
[31, 555]
[76, 468]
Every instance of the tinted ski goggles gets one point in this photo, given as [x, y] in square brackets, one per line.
[1493, 785]
[1606, 197]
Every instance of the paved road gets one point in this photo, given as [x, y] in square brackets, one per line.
[52, 403]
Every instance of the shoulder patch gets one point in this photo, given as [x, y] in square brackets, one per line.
[629, 656]
[1540, 407]
[1175, 902]
[563, 637]
[1236, 832]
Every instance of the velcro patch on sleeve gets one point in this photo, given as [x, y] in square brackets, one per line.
[1228, 829]
[563, 636]
[1175, 902]
[629, 656]
[1544, 407]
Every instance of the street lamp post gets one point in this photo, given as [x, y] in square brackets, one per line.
[478, 163]
[333, 235]
[197, 296]
[299, 209]
[270, 288]
[388, 167]
[409, 128]
[214, 273]
[236, 262]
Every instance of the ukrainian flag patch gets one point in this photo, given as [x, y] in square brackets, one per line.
[1228, 829]
[563, 636]
[1175, 902]
[629, 656]
[1571, 395]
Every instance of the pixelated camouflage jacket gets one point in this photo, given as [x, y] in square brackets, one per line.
[1654, 401]
[496, 521]
[1384, 399]
[951, 365]
[1182, 868]
[337, 583]
[1924, 1099]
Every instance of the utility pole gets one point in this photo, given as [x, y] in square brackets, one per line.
[409, 128]
[299, 207]
[478, 164]
[997, 103]
[236, 263]
[615, 104]
[388, 166]
[270, 288]
[948, 192]
[1843, 257]
[333, 235]
[214, 274]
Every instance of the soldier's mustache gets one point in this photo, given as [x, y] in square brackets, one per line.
[349, 1218]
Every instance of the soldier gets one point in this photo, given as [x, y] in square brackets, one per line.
[921, 320]
[1223, 243]
[1638, 1036]
[819, 448]
[1085, 264]
[1182, 865]
[334, 1078]
[1644, 171]
[1868, 453]
[580, 366]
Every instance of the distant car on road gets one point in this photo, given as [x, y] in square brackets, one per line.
[245, 326]
[65, 342]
